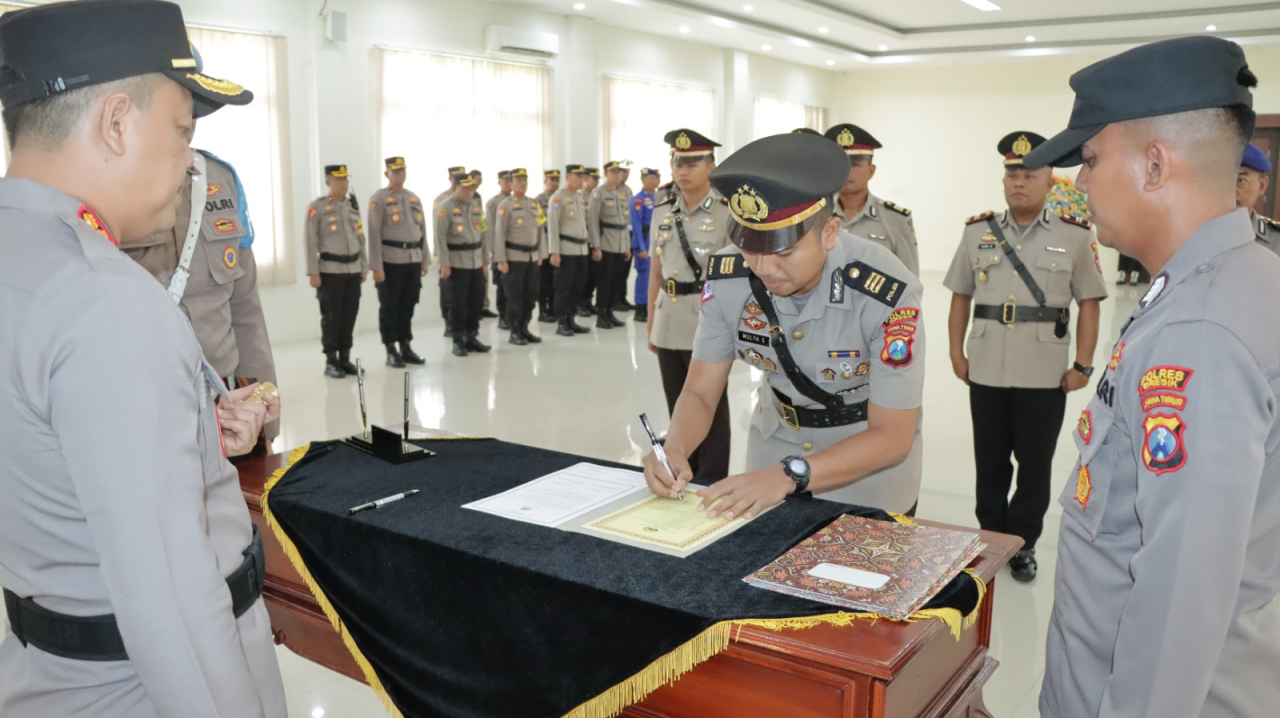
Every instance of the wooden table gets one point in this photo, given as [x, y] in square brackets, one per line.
[876, 669]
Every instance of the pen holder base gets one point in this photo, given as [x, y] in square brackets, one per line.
[388, 446]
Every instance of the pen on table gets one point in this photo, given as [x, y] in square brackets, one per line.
[380, 502]
[659, 451]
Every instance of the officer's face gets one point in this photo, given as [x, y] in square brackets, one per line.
[504, 185]
[337, 186]
[591, 182]
[651, 182]
[465, 194]
[1025, 190]
[615, 178]
[396, 178]
[1112, 174]
[796, 270]
[1250, 184]
[692, 175]
[154, 155]
[861, 170]
[573, 182]
[520, 185]
[551, 184]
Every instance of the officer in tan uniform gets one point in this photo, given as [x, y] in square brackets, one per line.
[459, 232]
[337, 264]
[491, 217]
[1251, 183]
[1018, 271]
[864, 214]
[399, 259]
[609, 225]
[686, 229]
[131, 570]
[568, 244]
[546, 272]
[834, 325]
[518, 249]
[444, 294]
[620, 302]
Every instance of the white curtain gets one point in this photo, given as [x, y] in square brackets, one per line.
[778, 117]
[441, 111]
[638, 113]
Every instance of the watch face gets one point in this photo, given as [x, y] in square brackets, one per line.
[798, 467]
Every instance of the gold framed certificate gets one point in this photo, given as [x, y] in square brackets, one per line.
[663, 524]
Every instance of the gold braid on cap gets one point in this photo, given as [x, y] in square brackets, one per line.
[221, 87]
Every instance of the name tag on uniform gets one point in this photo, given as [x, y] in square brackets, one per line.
[758, 339]
[1059, 250]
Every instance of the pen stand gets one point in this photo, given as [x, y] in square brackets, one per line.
[388, 446]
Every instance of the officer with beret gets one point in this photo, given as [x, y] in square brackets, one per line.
[1167, 581]
[1251, 184]
[337, 264]
[864, 214]
[832, 321]
[546, 272]
[459, 233]
[399, 259]
[131, 571]
[641, 219]
[1019, 271]
[518, 248]
[491, 216]
[687, 228]
[610, 230]
[568, 243]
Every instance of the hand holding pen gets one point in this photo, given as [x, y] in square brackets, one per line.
[665, 473]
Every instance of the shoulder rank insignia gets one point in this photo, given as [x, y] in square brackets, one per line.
[724, 201]
[666, 200]
[727, 266]
[1265, 222]
[897, 208]
[873, 283]
[1075, 220]
[980, 218]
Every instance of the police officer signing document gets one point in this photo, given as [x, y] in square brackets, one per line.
[832, 320]
[119, 503]
[1169, 551]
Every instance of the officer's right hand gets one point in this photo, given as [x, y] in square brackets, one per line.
[504, 267]
[642, 254]
[960, 366]
[379, 276]
[597, 255]
[660, 482]
[445, 272]
[315, 281]
[555, 260]
[240, 422]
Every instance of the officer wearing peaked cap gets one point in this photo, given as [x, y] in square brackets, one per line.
[118, 501]
[568, 245]
[608, 224]
[454, 172]
[833, 322]
[399, 258]
[459, 231]
[1251, 184]
[338, 264]
[518, 248]
[546, 272]
[491, 218]
[1167, 582]
[864, 214]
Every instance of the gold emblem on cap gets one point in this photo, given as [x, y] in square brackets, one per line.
[748, 204]
[683, 142]
[222, 87]
[845, 138]
[180, 63]
[1022, 146]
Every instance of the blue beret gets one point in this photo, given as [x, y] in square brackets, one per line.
[1255, 159]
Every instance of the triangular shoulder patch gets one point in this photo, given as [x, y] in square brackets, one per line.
[727, 266]
[874, 283]
[979, 218]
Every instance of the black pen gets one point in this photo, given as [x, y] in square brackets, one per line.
[380, 502]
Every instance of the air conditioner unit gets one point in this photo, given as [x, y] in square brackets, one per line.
[515, 41]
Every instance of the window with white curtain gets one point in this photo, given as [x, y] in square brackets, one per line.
[777, 117]
[637, 113]
[441, 111]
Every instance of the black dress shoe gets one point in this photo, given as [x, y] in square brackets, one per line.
[459, 348]
[344, 361]
[503, 324]
[1023, 565]
[393, 358]
[578, 328]
[565, 330]
[603, 322]
[409, 355]
[331, 368]
[531, 338]
[614, 320]
[546, 318]
[518, 339]
[487, 314]
[448, 333]
[585, 311]
[642, 313]
[473, 344]
[624, 306]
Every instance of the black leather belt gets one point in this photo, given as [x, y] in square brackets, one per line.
[464, 247]
[97, 638]
[796, 417]
[341, 258]
[677, 289]
[575, 240]
[523, 247]
[1010, 313]
[611, 225]
[402, 245]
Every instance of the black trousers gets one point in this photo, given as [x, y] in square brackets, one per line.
[496, 277]
[521, 289]
[571, 277]
[590, 279]
[622, 281]
[611, 272]
[444, 298]
[397, 297]
[547, 285]
[465, 288]
[710, 461]
[1024, 423]
[339, 296]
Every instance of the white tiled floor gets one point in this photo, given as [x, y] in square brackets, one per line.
[582, 395]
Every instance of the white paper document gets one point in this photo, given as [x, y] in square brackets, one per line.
[563, 496]
[849, 575]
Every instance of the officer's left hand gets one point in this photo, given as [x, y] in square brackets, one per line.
[626, 254]
[424, 271]
[270, 400]
[597, 255]
[240, 422]
[379, 276]
[363, 276]
[1073, 380]
[746, 495]
[642, 254]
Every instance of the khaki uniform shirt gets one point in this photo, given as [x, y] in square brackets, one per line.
[886, 224]
[1062, 257]
[491, 218]
[675, 318]
[459, 234]
[117, 499]
[1168, 572]
[567, 217]
[334, 227]
[396, 217]
[519, 222]
[609, 207]
[849, 343]
[1267, 232]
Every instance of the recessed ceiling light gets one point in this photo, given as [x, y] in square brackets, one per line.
[1211, 28]
[580, 6]
[747, 8]
[317, 713]
[983, 5]
[766, 48]
[823, 30]
[1031, 38]
[883, 48]
[830, 63]
[684, 28]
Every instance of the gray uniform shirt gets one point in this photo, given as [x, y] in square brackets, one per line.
[117, 497]
[675, 318]
[396, 217]
[1168, 571]
[886, 224]
[567, 217]
[491, 218]
[459, 234]
[1267, 232]
[609, 219]
[847, 342]
[334, 227]
[518, 231]
[1062, 257]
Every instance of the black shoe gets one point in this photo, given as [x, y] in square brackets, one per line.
[503, 324]
[565, 329]
[517, 338]
[624, 306]
[604, 321]
[614, 320]
[331, 367]
[409, 355]
[459, 347]
[531, 338]
[487, 314]
[448, 333]
[475, 345]
[577, 328]
[393, 357]
[585, 311]
[1023, 566]
[642, 313]
[546, 317]
[344, 361]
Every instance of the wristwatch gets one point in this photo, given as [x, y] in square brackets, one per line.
[1087, 371]
[797, 469]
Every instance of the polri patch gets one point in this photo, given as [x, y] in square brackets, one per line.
[707, 294]
[1167, 378]
[902, 316]
[897, 352]
[1162, 448]
[757, 339]
[874, 284]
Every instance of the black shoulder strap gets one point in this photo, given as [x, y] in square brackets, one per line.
[798, 378]
[874, 283]
[1016, 261]
[727, 266]
[689, 256]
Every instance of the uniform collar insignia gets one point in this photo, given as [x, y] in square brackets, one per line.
[871, 210]
[1157, 287]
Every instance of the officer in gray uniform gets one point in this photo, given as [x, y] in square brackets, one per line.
[546, 272]
[834, 325]
[399, 259]
[1019, 271]
[1251, 183]
[337, 264]
[620, 302]
[518, 249]
[444, 294]
[568, 244]
[491, 216]
[864, 214]
[118, 502]
[686, 229]
[1165, 595]
[459, 232]
[609, 226]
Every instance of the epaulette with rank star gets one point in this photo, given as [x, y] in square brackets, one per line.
[897, 208]
[874, 283]
[727, 266]
[1075, 220]
[1275, 224]
[979, 218]
[666, 200]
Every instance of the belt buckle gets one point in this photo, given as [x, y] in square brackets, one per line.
[1007, 311]
[671, 288]
[790, 417]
